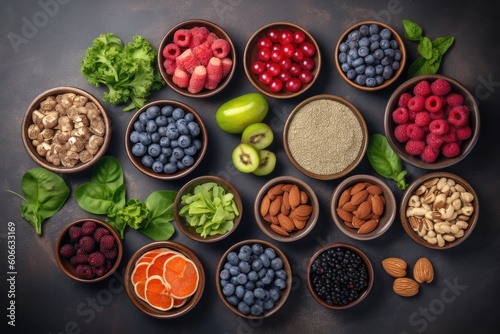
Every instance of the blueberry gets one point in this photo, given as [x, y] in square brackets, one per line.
[274, 293]
[167, 110]
[161, 120]
[180, 165]
[182, 128]
[379, 69]
[266, 279]
[170, 168]
[351, 74]
[364, 42]
[194, 128]
[172, 133]
[395, 65]
[256, 309]
[345, 67]
[190, 150]
[188, 160]
[154, 150]
[143, 118]
[145, 138]
[178, 113]
[174, 143]
[151, 126]
[361, 79]
[352, 44]
[281, 274]
[373, 29]
[370, 59]
[370, 71]
[189, 117]
[394, 44]
[155, 137]
[257, 249]
[244, 267]
[259, 293]
[257, 264]
[374, 46]
[138, 126]
[264, 257]
[363, 51]
[343, 57]
[232, 258]
[139, 149]
[184, 141]
[147, 161]
[388, 72]
[164, 142]
[234, 270]
[233, 300]
[397, 55]
[261, 273]
[380, 80]
[378, 54]
[170, 120]
[245, 253]
[134, 136]
[223, 282]
[162, 131]
[167, 151]
[375, 38]
[252, 276]
[240, 291]
[343, 47]
[242, 279]
[385, 34]
[178, 153]
[280, 284]
[268, 304]
[157, 167]
[153, 112]
[197, 143]
[354, 35]
[250, 285]
[248, 298]
[385, 44]
[358, 62]
[243, 308]
[228, 289]
[270, 272]
[353, 53]
[224, 274]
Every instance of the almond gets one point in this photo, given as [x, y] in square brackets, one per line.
[276, 190]
[278, 229]
[405, 287]
[304, 198]
[345, 197]
[349, 207]
[294, 196]
[374, 190]
[264, 206]
[344, 215]
[368, 227]
[377, 205]
[364, 210]
[299, 224]
[303, 210]
[275, 206]
[356, 222]
[358, 187]
[286, 222]
[287, 187]
[423, 271]
[359, 197]
[395, 266]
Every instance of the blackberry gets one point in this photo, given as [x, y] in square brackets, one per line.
[67, 251]
[88, 227]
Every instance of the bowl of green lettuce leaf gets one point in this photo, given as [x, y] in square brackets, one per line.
[208, 209]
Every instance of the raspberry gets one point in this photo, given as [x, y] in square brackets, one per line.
[88, 227]
[463, 132]
[107, 242]
[75, 233]
[198, 35]
[438, 126]
[220, 48]
[99, 233]
[100, 271]
[187, 61]
[429, 154]
[180, 78]
[415, 132]
[458, 116]
[433, 140]
[423, 88]
[227, 64]
[411, 116]
[451, 135]
[403, 99]
[416, 103]
[169, 66]
[437, 115]
[203, 53]
[111, 254]
[78, 259]
[171, 51]
[415, 147]
[433, 103]
[96, 259]
[197, 80]
[454, 99]
[67, 251]
[400, 133]
[214, 73]
[182, 37]
[422, 118]
[450, 150]
[80, 251]
[400, 115]
[85, 271]
[87, 243]
[211, 37]
[440, 87]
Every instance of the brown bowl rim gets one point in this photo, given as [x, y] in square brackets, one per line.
[169, 38]
[64, 264]
[353, 164]
[409, 191]
[441, 162]
[294, 235]
[189, 231]
[364, 257]
[146, 308]
[386, 83]
[386, 219]
[27, 121]
[284, 94]
[148, 171]
[284, 294]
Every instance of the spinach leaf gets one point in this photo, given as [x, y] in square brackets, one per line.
[108, 171]
[159, 230]
[385, 161]
[45, 193]
[95, 198]
[161, 205]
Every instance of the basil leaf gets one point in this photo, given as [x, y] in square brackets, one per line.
[45, 193]
[108, 171]
[95, 198]
[412, 30]
[161, 205]
[425, 48]
[119, 197]
[384, 160]
[442, 44]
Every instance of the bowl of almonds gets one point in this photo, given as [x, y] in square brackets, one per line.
[286, 208]
[363, 207]
[439, 210]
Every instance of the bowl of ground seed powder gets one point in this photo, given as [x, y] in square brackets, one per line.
[325, 137]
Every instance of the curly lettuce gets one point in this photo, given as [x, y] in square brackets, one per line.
[128, 70]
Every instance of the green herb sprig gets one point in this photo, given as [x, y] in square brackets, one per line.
[431, 52]
[105, 194]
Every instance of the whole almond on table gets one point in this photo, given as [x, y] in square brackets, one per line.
[423, 271]
[395, 267]
[405, 287]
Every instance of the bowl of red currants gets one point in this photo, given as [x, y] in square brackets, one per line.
[282, 60]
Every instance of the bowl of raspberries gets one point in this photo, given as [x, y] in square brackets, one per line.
[432, 121]
[197, 58]
[88, 250]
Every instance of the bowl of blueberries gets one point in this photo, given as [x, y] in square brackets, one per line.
[254, 278]
[166, 139]
[370, 55]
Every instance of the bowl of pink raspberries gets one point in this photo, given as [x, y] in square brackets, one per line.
[88, 250]
[197, 58]
[432, 121]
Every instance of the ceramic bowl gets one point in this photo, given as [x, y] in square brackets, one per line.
[378, 224]
[252, 55]
[362, 292]
[442, 161]
[167, 66]
[179, 173]
[435, 224]
[397, 64]
[188, 188]
[42, 137]
[101, 272]
[280, 282]
[181, 307]
[329, 145]
[277, 226]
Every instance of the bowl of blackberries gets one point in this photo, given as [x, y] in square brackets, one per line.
[253, 278]
[88, 250]
[339, 275]
[166, 139]
[370, 55]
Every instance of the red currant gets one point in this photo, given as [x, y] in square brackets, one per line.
[288, 50]
[274, 69]
[264, 43]
[305, 77]
[295, 69]
[276, 85]
[298, 55]
[307, 63]
[264, 54]
[299, 37]
[285, 63]
[266, 78]
[284, 76]
[258, 67]
[274, 35]
[286, 37]
[277, 56]
[308, 49]
[293, 84]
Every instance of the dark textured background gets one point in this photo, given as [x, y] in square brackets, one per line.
[49, 302]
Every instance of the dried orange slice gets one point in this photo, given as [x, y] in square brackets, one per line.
[158, 294]
[139, 278]
[155, 267]
[150, 255]
[182, 276]
[180, 302]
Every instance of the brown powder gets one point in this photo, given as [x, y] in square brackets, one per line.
[324, 137]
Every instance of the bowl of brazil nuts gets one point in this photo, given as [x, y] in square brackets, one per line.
[325, 137]
[286, 208]
[363, 207]
[66, 130]
[439, 210]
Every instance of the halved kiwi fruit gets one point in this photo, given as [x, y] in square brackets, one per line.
[259, 135]
[266, 164]
[246, 158]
